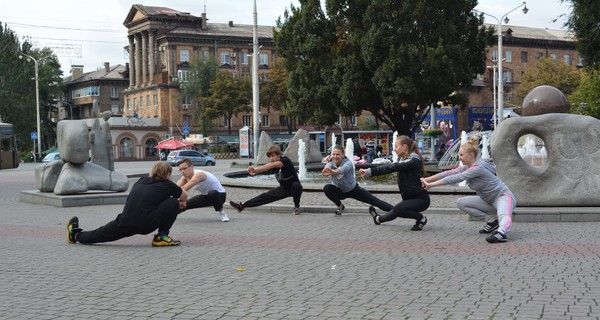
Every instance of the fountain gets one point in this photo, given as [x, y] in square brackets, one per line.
[394, 155]
[485, 152]
[333, 141]
[350, 149]
[301, 160]
[450, 158]
[530, 153]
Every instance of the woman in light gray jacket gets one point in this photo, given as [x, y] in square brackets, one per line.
[493, 196]
[343, 183]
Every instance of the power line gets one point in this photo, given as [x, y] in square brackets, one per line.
[64, 28]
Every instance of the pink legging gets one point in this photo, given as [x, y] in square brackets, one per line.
[503, 207]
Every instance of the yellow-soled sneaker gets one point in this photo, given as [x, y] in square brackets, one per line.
[72, 229]
[164, 241]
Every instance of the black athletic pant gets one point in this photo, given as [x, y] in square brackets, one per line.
[336, 195]
[278, 193]
[213, 198]
[166, 212]
[410, 208]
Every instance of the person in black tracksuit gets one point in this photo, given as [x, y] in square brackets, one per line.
[289, 184]
[153, 203]
[409, 167]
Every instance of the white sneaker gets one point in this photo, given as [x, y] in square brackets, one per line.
[223, 216]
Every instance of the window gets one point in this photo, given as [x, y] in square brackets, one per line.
[244, 59]
[186, 102]
[265, 121]
[128, 104]
[126, 145]
[150, 151]
[135, 104]
[283, 120]
[508, 56]
[226, 121]
[183, 75]
[184, 56]
[115, 109]
[205, 54]
[507, 76]
[148, 101]
[579, 61]
[494, 55]
[141, 102]
[225, 57]
[114, 92]
[539, 55]
[264, 58]
[247, 120]
[524, 56]
[155, 98]
[553, 56]
[353, 120]
[568, 59]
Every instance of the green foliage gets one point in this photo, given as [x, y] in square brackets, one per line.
[587, 93]
[229, 95]
[385, 56]
[583, 21]
[548, 71]
[17, 88]
[197, 86]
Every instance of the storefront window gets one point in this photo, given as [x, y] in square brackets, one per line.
[126, 145]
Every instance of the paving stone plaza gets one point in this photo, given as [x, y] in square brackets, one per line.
[268, 264]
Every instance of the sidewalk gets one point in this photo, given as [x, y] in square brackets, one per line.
[266, 265]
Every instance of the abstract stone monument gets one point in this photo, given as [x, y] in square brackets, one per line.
[571, 174]
[74, 174]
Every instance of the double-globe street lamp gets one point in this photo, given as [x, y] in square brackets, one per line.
[504, 18]
[37, 96]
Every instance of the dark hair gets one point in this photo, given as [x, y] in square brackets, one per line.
[274, 150]
[187, 161]
[413, 146]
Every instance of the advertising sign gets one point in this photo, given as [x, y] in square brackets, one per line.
[245, 142]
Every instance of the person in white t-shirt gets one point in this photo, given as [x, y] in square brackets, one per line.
[211, 191]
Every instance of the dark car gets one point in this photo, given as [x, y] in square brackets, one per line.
[198, 158]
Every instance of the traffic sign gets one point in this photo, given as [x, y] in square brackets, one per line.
[34, 135]
[186, 130]
[186, 124]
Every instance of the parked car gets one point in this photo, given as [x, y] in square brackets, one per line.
[198, 158]
[51, 157]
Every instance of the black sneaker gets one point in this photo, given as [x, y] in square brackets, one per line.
[490, 227]
[419, 224]
[238, 205]
[497, 237]
[374, 214]
[72, 229]
[339, 210]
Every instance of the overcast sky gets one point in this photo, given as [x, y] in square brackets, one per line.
[98, 29]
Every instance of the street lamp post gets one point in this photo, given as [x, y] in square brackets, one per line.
[504, 17]
[37, 97]
[494, 118]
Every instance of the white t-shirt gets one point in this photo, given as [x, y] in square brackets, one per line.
[211, 183]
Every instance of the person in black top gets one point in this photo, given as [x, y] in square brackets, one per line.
[289, 184]
[410, 168]
[153, 203]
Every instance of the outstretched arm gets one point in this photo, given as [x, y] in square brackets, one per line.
[264, 168]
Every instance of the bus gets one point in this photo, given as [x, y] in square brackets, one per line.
[9, 156]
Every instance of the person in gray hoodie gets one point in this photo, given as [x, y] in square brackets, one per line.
[343, 183]
[493, 203]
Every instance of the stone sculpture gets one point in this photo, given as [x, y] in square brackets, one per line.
[571, 174]
[74, 174]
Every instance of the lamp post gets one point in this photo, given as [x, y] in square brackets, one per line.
[255, 85]
[504, 17]
[494, 118]
[37, 96]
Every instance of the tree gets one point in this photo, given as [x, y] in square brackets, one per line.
[583, 21]
[548, 71]
[586, 99]
[197, 85]
[17, 88]
[392, 58]
[229, 95]
[274, 93]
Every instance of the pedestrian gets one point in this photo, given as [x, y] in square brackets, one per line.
[409, 168]
[494, 202]
[153, 203]
[211, 191]
[163, 155]
[289, 184]
[343, 183]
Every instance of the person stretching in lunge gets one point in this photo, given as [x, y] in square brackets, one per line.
[153, 202]
[493, 196]
[289, 184]
[211, 191]
[410, 168]
[343, 183]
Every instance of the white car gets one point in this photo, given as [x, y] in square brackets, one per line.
[51, 157]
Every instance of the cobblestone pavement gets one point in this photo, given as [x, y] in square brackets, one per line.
[265, 265]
